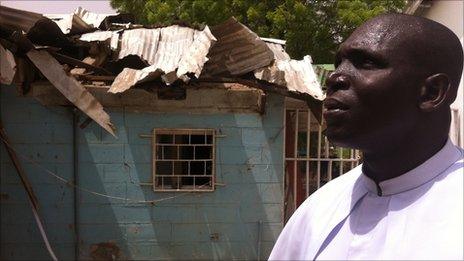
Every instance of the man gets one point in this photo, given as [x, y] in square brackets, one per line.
[390, 98]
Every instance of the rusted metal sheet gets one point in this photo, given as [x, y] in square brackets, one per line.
[237, 51]
[296, 75]
[172, 52]
[71, 88]
[7, 66]
[15, 19]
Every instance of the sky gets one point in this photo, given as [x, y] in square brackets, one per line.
[60, 7]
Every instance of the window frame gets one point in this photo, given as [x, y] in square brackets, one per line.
[184, 131]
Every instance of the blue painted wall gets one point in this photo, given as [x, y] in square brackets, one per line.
[224, 224]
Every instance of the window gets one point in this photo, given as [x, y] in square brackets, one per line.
[183, 159]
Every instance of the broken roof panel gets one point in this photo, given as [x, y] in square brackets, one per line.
[70, 88]
[102, 36]
[170, 53]
[196, 56]
[297, 76]
[174, 52]
[92, 19]
[70, 23]
[141, 42]
[278, 51]
[238, 50]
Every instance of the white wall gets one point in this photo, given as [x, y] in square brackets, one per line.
[451, 14]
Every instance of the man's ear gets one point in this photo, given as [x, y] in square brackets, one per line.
[434, 92]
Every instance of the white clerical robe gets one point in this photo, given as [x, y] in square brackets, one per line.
[418, 215]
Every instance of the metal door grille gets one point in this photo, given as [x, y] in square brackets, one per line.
[310, 159]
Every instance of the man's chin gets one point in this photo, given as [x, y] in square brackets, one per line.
[340, 137]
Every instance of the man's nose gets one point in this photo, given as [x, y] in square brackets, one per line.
[337, 81]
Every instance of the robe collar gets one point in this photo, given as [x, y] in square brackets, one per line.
[418, 176]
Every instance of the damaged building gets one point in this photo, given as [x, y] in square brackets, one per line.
[127, 141]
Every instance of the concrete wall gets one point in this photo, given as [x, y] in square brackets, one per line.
[239, 220]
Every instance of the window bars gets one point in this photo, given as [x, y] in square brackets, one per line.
[310, 160]
[183, 160]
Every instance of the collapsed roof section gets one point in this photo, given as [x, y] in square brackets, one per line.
[84, 47]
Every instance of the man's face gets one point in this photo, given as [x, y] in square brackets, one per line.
[372, 95]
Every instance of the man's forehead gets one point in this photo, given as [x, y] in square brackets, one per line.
[375, 36]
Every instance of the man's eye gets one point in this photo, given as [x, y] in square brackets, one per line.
[367, 64]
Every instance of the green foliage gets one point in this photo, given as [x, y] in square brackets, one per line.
[313, 27]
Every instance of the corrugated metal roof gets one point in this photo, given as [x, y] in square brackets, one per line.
[297, 76]
[196, 56]
[70, 23]
[15, 19]
[175, 52]
[102, 36]
[172, 52]
[278, 51]
[238, 50]
[92, 19]
[81, 21]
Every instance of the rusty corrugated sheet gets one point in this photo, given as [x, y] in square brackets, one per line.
[70, 88]
[7, 66]
[15, 19]
[296, 75]
[172, 53]
[238, 50]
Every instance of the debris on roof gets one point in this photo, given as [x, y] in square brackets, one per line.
[172, 52]
[70, 88]
[238, 50]
[297, 76]
[85, 49]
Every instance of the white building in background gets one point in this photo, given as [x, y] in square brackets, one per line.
[451, 14]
